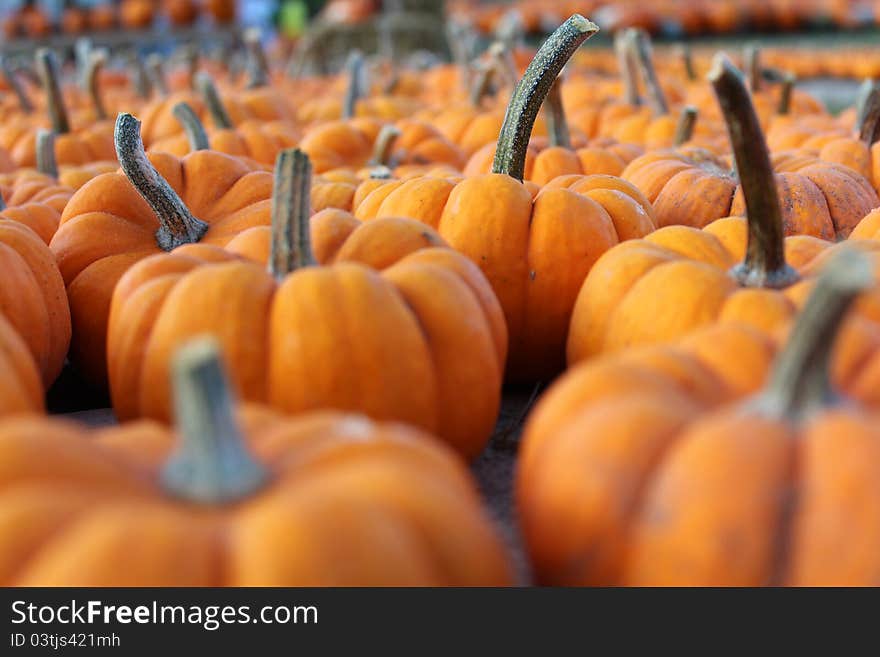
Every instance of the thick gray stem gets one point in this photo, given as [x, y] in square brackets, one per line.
[291, 246]
[177, 225]
[212, 464]
[211, 97]
[47, 69]
[45, 148]
[192, 127]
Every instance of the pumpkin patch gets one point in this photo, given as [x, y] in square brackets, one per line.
[439, 294]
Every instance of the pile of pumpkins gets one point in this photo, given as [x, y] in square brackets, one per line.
[33, 20]
[674, 17]
[305, 295]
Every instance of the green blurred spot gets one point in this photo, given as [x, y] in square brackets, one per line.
[293, 18]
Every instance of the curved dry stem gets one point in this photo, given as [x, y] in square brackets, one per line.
[45, 149]
[868, 121]
[155, 68]
[356, 83]
[384, 145]
[687, 60]
[800, 382]
[554, 114]
[47, 69]
[193, 128]
[644, 58]
[291, 247]
[257, 63]
[140, 80]
[684, 129]
[785, 94]
[97, 60]
[177, 225]
[764, 264]
[212, 464]
[628, 67]
[211, 97]
[529, 95]
[24, 101]
[752, 65]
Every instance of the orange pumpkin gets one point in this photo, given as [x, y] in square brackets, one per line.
[21, 390]
[633, 472]
[155, 204]
[430, 343]
[32, 297]
[534, 246]
[228, 498]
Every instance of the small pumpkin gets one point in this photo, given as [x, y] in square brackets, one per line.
[32, 297]
[21, 389]
[632, 477]
[534, 245]
[238, 497]
[680, 278]
[156, 203]
[430, 342]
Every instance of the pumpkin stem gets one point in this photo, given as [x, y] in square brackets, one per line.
[45, 148]
[461, 39]
[156, 73]
[764, 264]
[177, 225]
[257, 64]
[96, 62]
[752, 65]
[82, 54]
[684, 129]
[643, 55]
[356, 84]
[800, 381]
[192, 127]
[47, 69]
[627, 66]
[190, 56]
[12, 81]
[869, 115]
[862, 96]
[291, 246]
[212, 465]
[687, 60]
[554, 115]
[211, 97]
[384, 146]
[785, 94]
[532, 89]
[140, 79]
[482, 85]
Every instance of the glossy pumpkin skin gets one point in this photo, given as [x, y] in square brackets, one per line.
[35, 200]
[32, 297]
[400, 506]
[428, 349]
[534, 251]
[627, 296]
[218, 189]
[21, 389]
[636, 470]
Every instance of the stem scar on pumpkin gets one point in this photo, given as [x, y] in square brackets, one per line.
[193, 127]
[532, 89]
[291, 247]
[212, 464]
[177, 225]
[764, 264]
[800, 382]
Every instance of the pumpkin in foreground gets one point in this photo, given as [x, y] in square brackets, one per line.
[641, 473]
[238, 499]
